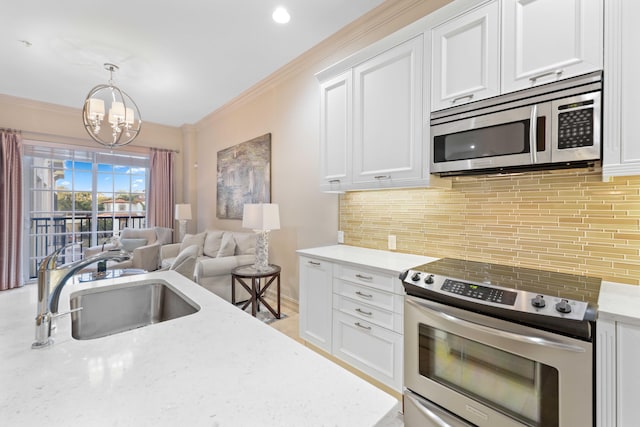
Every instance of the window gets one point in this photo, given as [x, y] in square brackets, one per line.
[79, 196]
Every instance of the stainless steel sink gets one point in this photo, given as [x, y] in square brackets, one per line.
[113, 309]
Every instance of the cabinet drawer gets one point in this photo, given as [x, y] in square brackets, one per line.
[364, 276]
[374, 350]
[385, 318]
[369, 295]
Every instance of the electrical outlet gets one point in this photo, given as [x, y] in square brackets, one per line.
[340, 236]
[392, 242]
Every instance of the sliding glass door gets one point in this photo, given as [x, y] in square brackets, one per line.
[80, 197]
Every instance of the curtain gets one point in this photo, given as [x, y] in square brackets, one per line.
[10, 209]
[161, 197]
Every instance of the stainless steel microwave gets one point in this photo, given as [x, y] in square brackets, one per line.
[555, 125]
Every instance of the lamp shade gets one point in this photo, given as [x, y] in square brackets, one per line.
[183, 212]
[261, 216]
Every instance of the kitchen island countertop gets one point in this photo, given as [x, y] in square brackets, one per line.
[217, 367]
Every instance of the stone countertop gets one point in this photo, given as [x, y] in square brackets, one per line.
[217, 367]
[390, 262]
[619, 302]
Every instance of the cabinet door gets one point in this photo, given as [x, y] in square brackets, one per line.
[388, 116]
[335, 132]
[374, 350]
[315, 302]
[548, 40]
[465, 64]
[628, 374]
[621, 151]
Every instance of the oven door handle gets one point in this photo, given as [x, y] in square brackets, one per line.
[437, 421]
[529, 339]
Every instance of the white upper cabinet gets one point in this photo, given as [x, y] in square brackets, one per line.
[466, 62]
[335, 132]
[507, 45]
[388, 115]
[621, 150]
[549, 40]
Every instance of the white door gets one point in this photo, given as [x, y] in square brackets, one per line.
[466, 63]
[315, 302]
[335, 132]
[388, 116]
[549, 40]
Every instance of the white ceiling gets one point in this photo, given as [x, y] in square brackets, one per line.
[179, 60]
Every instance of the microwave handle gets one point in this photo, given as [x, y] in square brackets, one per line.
[443, 313]
[533, 134]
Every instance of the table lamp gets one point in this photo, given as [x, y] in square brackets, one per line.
[261, 218]
[183, 214]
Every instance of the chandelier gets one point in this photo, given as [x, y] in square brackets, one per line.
[121, 124]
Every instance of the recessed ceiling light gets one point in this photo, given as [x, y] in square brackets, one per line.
[281, 16]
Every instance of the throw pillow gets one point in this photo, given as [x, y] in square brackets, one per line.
[228, 246]
[130, 244]
[212, 243]
[194, 239]
[246, 243]
[165, 235]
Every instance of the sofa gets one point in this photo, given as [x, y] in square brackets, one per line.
[143, 244]
[219, 252]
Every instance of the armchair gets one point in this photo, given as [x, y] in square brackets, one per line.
[144, 243]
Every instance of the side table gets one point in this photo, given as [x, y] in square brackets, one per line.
[255, 290]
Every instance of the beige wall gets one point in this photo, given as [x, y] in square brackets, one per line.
[568, 221]
[287, 106]
[57, 124]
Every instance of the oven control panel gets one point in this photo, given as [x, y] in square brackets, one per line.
[497, 296]
[480, 292]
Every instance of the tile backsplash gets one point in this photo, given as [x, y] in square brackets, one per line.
[567, 221]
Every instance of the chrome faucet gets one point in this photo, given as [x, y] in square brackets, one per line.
[51, 279]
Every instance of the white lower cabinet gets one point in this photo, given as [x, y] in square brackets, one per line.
[315, 302]
[618, 373]
[374, 350]
[356, 314]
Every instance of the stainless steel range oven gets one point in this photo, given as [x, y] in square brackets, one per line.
[492, 345]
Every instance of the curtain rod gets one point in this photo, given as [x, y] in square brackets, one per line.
[49, 137]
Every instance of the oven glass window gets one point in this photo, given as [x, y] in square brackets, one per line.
[520, 388]
[499, 140]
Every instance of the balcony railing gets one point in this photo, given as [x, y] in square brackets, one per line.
[47, 234]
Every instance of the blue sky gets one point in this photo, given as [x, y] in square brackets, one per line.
[110, 178]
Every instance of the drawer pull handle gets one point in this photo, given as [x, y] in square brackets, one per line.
[368, 328]
[360, 294]
[366, 313]
[360, 276]
[382, 177]
[460, 98]
[548, 73]
[313, 262]
[334, 181]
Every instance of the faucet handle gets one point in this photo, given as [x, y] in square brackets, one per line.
[56, 315]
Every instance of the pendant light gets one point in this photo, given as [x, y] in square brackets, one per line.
[122, 122]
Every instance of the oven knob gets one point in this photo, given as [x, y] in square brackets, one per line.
[429, 279]
[415, 277]
[563, 306]
[538, 301]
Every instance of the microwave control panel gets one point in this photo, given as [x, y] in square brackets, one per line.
[575, 125]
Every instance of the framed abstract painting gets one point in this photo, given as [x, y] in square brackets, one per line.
[244, 176]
